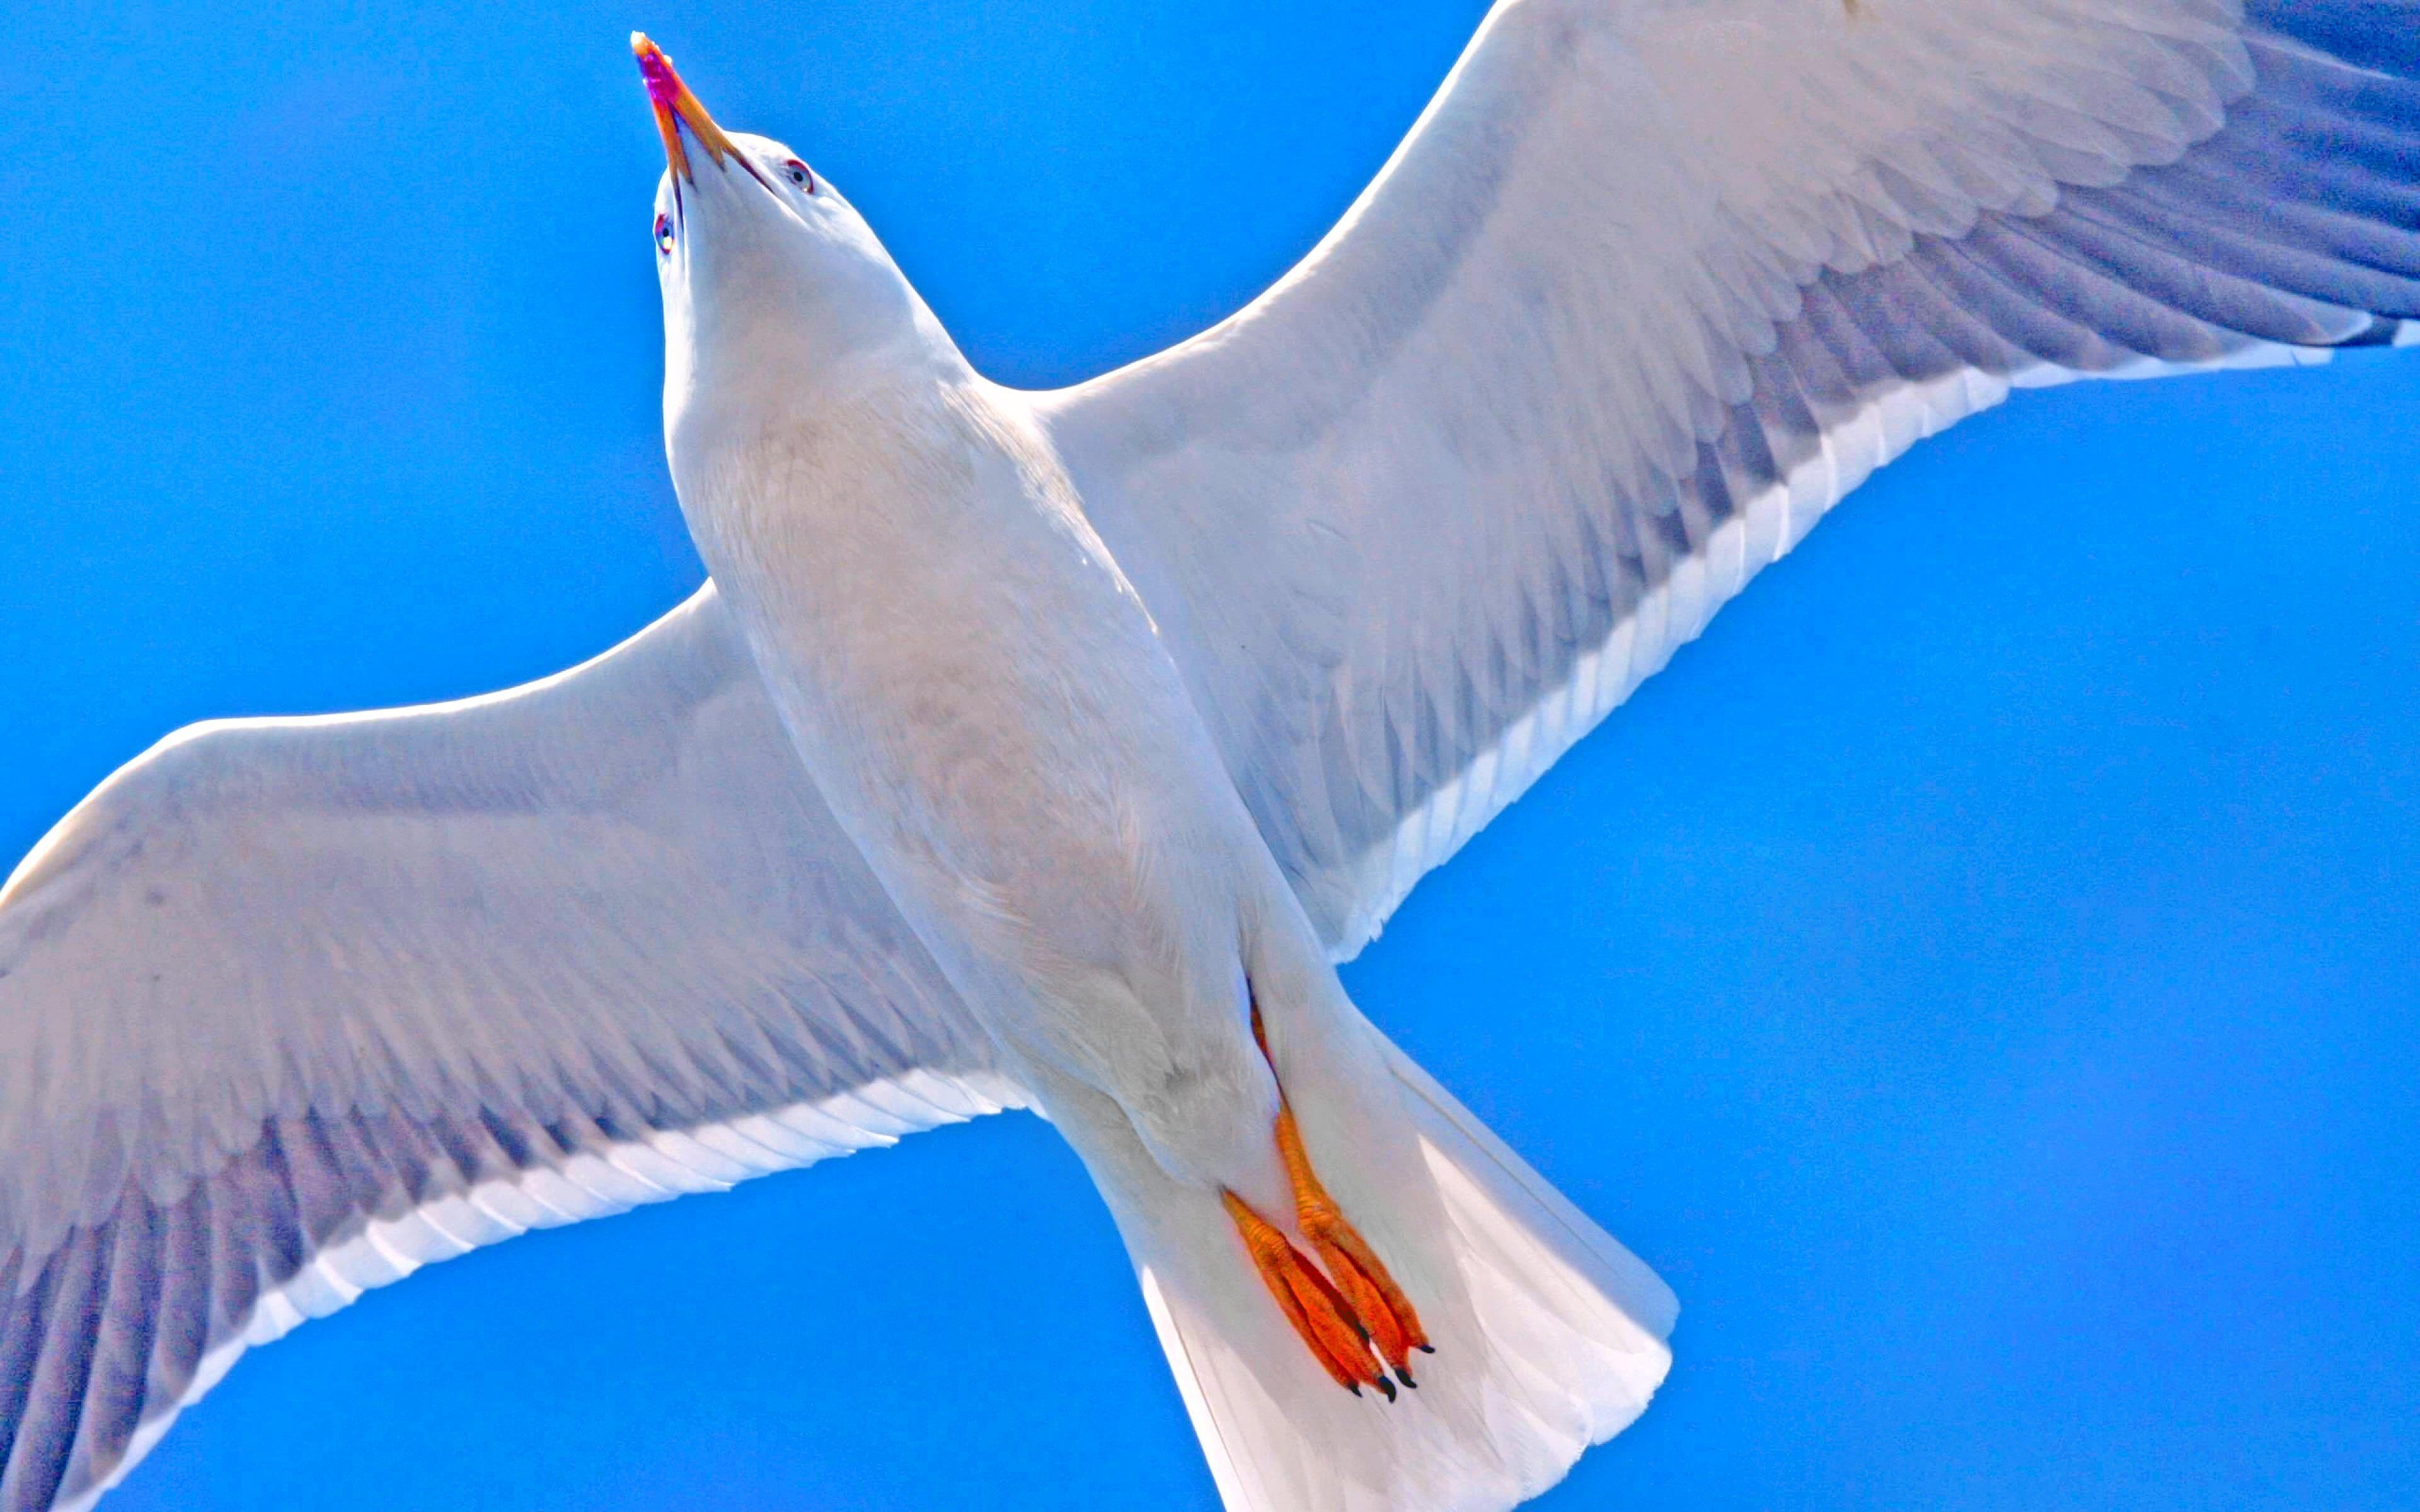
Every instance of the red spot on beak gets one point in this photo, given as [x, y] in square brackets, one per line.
[677, 107]
[663, 84]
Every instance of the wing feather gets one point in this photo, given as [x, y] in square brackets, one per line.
[290, 1009]
[1650, 288]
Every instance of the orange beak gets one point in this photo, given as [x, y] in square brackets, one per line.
[676, 107]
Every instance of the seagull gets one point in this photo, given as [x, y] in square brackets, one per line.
[1051, 749]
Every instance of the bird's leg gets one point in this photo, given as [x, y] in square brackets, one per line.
[1395, 1326]
[1353, 1310]
[1318, 1313]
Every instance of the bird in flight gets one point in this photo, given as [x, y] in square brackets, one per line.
[1048, 750]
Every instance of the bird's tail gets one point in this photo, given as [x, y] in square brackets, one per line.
[1549, 1337]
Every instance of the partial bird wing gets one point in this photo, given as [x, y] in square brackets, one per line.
[290, 1007]
[1651, 284]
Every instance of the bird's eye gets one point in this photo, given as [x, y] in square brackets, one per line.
[665, 235]
[799, 174]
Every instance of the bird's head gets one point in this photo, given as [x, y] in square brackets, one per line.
[772, 283]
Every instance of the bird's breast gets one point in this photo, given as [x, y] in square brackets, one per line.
[972, 681]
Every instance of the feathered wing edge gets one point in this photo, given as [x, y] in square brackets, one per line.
[127, 1323]
[1364, 894]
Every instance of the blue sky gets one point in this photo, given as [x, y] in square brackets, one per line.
[1979, 975]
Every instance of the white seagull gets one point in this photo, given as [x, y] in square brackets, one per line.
[1048, 750]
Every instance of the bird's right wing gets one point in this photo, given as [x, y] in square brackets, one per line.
[1652, 285]
[289, 1008]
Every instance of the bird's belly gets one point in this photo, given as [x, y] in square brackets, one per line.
[1007, 742]
[994, 756]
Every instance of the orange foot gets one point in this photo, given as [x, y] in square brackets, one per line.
[1353, 1310]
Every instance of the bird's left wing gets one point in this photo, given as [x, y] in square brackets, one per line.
[289, 1008]
[1650, 285]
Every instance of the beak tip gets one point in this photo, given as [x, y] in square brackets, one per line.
[663, 84]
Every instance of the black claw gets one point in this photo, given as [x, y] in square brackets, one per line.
[1425, 1349]
[1353, 1387]
[1386, 1386]
[1405, 1377]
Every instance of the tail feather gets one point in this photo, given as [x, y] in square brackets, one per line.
[1550, 1336]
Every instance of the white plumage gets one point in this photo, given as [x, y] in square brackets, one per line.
[1022, 739]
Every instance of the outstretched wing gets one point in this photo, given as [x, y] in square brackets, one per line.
[290, 1007]
[1652, 284]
